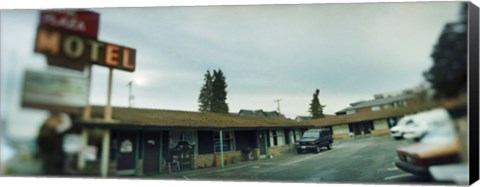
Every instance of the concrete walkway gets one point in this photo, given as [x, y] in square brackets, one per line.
[287, 159]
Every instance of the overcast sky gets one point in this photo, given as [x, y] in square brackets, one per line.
[348, 51]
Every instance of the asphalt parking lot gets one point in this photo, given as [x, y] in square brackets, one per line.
[360, 160]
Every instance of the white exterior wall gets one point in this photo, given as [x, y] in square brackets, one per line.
[340, 129]
[271, 137]
[280, 137]
[380, 124]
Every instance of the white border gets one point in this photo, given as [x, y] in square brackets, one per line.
[73, 182]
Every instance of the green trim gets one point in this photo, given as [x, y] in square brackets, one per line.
[266, 143]
[137, 150]
[117, 149]
[142, 145]
[160, 161]
[221, 149]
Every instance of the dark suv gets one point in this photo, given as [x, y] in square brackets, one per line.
[314, 139]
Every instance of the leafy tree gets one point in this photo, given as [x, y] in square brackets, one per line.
[316, 109]
[448, 75]
[213, 94]
[205, 98]
[219, 93]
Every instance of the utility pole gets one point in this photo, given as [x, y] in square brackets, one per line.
[130, 96]
[278, 104]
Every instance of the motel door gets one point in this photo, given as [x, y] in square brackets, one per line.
[261, 141]
[367, 127]
[127, 142]
[151, 152]
[357, 129]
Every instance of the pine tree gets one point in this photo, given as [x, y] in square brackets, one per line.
[219, 93]
[316, 109]
[213, 94]
[448, 75]
[205, 98]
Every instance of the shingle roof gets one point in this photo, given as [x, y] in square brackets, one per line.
[171, 118]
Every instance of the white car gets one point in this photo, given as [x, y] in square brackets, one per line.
[398, 130]
[424, 121]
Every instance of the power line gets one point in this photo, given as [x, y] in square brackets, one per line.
[278, 104]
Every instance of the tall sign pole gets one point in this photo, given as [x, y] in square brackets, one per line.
[108, 108]
[88, 109]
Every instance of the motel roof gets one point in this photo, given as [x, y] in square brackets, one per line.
[159, 118]
[168, 119]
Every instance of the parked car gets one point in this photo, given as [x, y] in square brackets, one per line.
[398, 131]
[422, 122]
[315, 139]
[438, 147]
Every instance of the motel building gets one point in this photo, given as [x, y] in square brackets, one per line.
[150, 141]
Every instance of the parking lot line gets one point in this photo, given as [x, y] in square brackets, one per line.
[309, 157]
[299, 160]
[398, 176]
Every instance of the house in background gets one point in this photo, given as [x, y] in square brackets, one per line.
[377, 116]
[380, 103]
[244, 112]
[302, 118]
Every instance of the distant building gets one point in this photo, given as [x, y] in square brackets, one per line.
[378, 115]
[380, 103]
[244, 112]
[387, 100]
[302, 118]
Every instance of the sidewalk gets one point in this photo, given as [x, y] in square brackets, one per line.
[287, 157]
[193, 172]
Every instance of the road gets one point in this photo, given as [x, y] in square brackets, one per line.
[359, 160]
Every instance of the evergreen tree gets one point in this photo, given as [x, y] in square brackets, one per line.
[219, 93]
[448, 74]
[213, 94]
[316, 109]
[205, 98]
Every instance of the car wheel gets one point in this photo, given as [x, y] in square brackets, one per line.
[329, 146]
[299, 151]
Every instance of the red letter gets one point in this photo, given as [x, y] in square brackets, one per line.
[111, 56]
[126, 59]
[47, 42]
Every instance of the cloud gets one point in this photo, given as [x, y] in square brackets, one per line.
[348, 51]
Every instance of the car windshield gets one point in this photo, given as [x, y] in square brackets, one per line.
[311, 134]
[440, 136]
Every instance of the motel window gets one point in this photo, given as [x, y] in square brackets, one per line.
[280, 137]
[375, 108]
[274, 137]
[227, 141]
[297, 135]
[176, 136]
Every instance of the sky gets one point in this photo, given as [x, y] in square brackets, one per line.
[348, 51]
